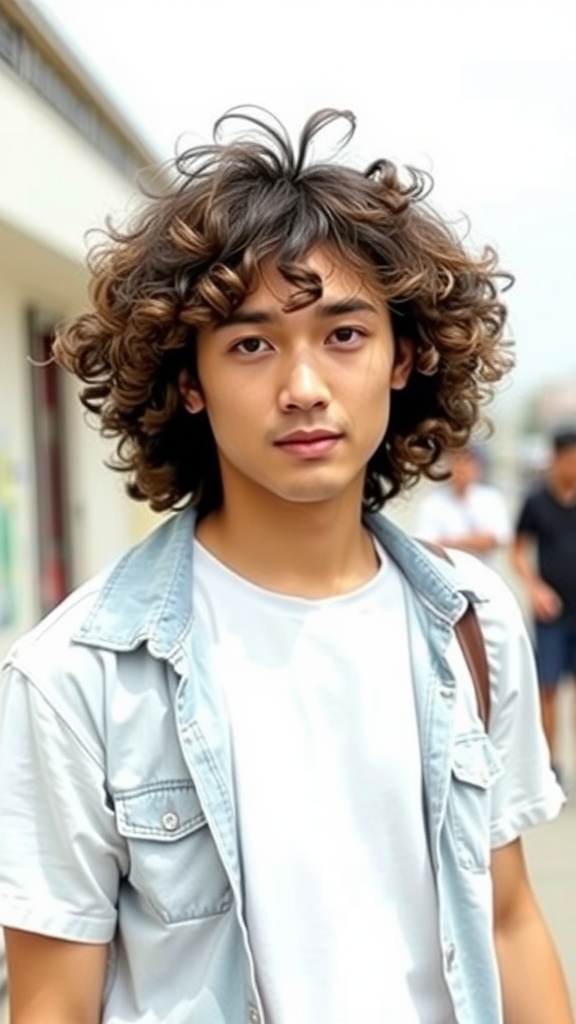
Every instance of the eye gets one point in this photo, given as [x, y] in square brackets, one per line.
[251, 346]
[346, 335]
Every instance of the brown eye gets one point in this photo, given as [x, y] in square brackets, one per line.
[251, 346]
[346, 335]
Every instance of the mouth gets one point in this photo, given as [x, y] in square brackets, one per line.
[309, 444]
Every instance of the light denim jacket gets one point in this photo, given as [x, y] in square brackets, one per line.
[115, 753]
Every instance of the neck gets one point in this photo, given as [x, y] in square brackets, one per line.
[460, 490]
[305, 549]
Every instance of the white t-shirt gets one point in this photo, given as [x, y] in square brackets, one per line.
[445, 515]
[339, 895]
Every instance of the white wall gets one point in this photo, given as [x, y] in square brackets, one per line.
[16, 439]
[101, 513]
[101, 520]
[54, 185]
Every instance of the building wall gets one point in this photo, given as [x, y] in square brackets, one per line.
[100, 516]
[16, 576]
[53, 187]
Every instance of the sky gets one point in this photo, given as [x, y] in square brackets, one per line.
[481, 93]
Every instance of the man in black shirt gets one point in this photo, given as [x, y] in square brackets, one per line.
[546, 527]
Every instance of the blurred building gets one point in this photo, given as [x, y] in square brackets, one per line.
[67, 160]
[555, 404]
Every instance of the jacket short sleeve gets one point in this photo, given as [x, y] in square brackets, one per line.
[61, 859]
[526, 792]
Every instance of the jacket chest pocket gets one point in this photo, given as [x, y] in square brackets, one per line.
[174, 865]
[475, 768]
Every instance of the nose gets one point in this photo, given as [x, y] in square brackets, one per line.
[304, 387]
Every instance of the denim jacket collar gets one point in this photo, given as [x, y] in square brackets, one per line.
[147, 596]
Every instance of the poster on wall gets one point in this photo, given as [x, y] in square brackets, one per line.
[7, 540]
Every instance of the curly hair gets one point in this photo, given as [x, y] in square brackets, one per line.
[193, 254]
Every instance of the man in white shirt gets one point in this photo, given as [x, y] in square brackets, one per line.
[464, 512]
[244, 772]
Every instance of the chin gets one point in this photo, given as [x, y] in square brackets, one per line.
[312, 495]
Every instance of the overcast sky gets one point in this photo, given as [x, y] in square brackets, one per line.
[480, 92]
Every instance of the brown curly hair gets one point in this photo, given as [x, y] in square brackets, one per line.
[192, 256]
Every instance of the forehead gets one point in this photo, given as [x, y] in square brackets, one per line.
[337, 278]
[567, 453]
[463, 458]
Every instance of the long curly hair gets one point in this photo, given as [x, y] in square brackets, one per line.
[193, 254]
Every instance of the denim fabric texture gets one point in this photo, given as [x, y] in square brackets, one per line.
[135, 766]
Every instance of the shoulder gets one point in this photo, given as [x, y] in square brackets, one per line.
[135, 609]
[436, 497]
[49, 680]
[121, 606]
[500, 616]
[61, 678]
[536, 498]
[497, 598]
[534, 511]
[51, 636]
[507, 642]
[487, 493]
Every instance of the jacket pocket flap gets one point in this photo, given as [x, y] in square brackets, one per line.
[163, 811]
[476, 762]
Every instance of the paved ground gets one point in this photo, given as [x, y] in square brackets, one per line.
[551, 853]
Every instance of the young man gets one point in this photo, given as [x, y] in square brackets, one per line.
[464, 512]
[546, 528]
[244, 773]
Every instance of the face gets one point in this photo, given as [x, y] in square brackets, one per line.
[299, 401]
[565, 466]
[464, 470]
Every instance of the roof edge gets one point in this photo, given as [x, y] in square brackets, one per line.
[45, 36]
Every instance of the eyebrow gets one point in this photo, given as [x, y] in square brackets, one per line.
[321, 310]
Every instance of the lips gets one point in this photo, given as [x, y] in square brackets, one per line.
[307, 436]
[309, 444]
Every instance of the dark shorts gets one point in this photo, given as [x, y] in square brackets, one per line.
[555, 650]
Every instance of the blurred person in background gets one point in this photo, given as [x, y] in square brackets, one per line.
[244, 772]
[544, 556]
[464, 512]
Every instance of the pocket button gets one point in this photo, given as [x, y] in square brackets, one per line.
[170, 821]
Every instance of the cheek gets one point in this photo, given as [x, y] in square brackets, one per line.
[373, 403]
[236, 419]
[226, 399]
[372, 395]
[370, 418]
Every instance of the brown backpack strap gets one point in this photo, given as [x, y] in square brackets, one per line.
[471, 641]
[469, 636]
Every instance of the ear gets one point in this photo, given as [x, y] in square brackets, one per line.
[404, 357]
[190, 392]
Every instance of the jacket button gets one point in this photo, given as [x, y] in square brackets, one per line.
[449, 956]
[253, 1015]
[170, 821]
